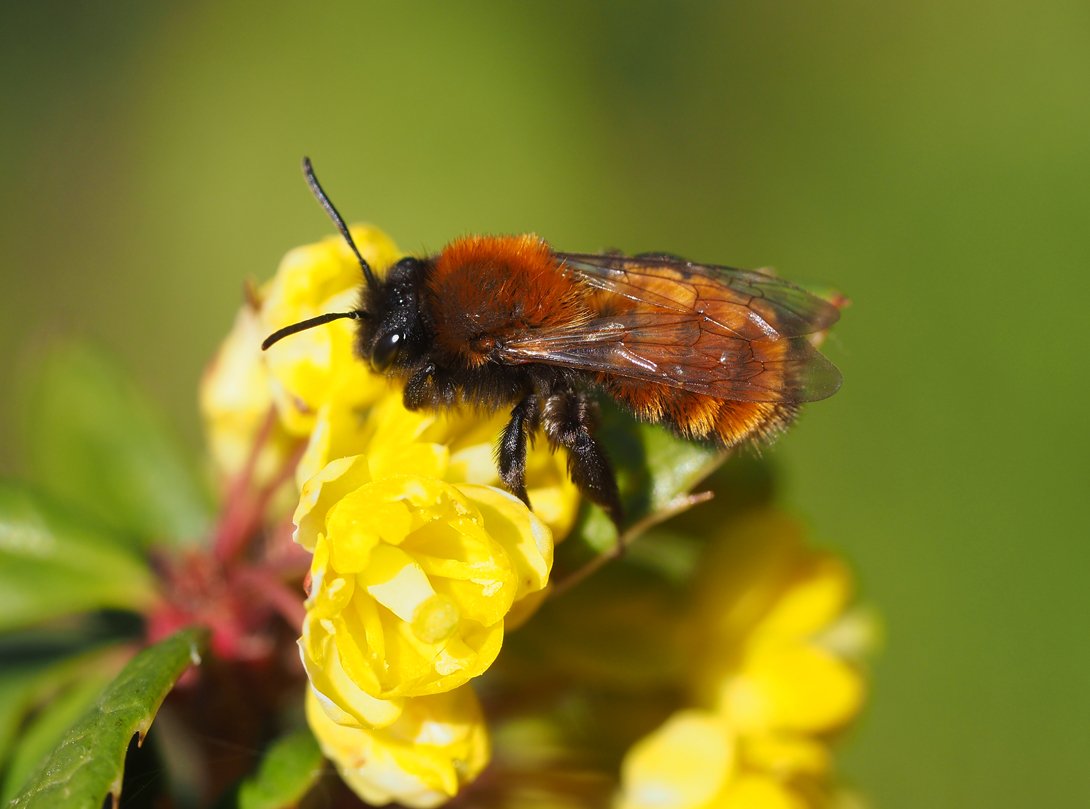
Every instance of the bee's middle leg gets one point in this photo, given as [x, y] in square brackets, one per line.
[511, 451]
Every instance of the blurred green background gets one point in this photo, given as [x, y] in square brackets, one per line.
[932, 160]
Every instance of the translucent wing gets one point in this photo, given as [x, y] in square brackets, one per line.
[730, 334]
[750, 304]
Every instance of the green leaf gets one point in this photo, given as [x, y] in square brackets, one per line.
[88, 763]
[288, 770]
[27, 683]
[48, 726]
[17, 690]
[53, 563]
[96, 442]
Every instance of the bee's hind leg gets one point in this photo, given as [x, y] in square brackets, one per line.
[569, 420]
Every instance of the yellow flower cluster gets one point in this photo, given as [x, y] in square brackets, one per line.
[420, 565]
[271, 401]
[775, 674]
[419, 562]
[317, 369]
[236, 403]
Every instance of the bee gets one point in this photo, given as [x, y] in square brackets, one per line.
[714, 353]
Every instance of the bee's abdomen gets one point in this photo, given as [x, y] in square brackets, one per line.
[694, 415]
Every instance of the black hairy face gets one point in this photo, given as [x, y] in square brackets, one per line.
[392, 335]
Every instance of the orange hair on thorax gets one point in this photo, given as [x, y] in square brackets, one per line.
[487, 289]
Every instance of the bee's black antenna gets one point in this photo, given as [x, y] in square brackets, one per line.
[302, 325]
[319, 193]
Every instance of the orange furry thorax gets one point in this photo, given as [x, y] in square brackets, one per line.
[487, 289]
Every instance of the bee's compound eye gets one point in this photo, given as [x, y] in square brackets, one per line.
[386, 350]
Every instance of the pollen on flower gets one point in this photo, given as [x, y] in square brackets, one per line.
[436, 619]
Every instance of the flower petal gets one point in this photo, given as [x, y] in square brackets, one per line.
[801, 688]
[435, 747]
[684, 764]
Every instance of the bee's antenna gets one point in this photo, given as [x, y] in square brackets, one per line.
[319, 193]
[302, 325]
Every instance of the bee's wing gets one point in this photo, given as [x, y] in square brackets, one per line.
[749, 304]
[692, 327]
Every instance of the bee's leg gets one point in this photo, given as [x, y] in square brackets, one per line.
[419, 390]
[429, 387]
[569, 421]
[511, 452]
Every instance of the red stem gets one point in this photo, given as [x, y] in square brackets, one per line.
[245, 507]
[285, 600]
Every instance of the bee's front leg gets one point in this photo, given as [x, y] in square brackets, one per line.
[430, 387]
[511, 452]
[419, 390]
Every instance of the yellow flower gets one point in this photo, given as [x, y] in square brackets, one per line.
[772, 675]
[465, 439]
[696, 761]
[756, 791]
[685, 764]
[768, 608]
[237, 406]
[319, 365]
[243, 386]
[436, 745]
[412, 577]
[472, 441]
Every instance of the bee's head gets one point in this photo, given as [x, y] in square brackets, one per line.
[391, 334]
